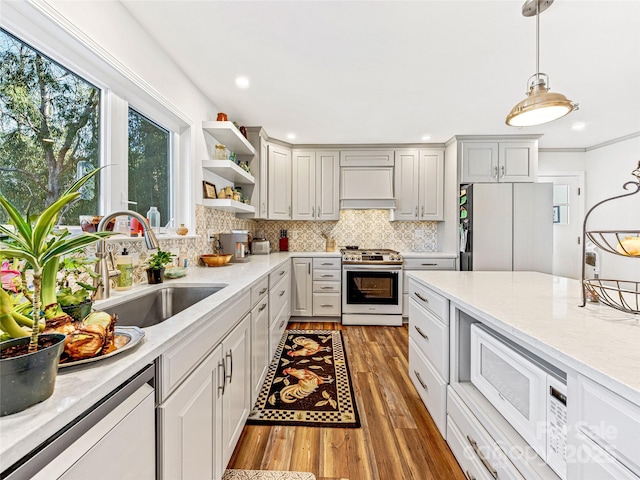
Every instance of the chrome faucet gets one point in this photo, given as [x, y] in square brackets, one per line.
[102, 283]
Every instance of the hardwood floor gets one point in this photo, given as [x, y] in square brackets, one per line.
[398, 439]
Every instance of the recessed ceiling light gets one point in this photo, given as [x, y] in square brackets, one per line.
[242, 82]
[291, 136]
[578, 126]
[426, 137]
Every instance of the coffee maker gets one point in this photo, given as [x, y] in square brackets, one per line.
[237, 244]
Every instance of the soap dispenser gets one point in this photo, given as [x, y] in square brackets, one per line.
[124, 265]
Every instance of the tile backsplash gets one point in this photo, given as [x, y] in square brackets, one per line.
[364, 228]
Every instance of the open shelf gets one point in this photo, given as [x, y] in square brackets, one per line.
[229, 170]
[227, 134]
[228, 205]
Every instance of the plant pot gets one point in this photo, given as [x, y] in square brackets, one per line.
[155, 275]
[78, 312]
[30, 378]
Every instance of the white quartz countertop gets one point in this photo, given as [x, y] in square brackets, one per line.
[543, 312]
[79, 388]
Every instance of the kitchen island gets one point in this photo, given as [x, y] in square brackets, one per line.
[79, 388]
[595, 347]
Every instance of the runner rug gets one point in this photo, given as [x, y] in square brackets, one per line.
[266, 475]
[308, 383]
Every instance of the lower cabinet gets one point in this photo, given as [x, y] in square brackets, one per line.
[301, 287]
[260, 355]
[279, 304]
[201, 421]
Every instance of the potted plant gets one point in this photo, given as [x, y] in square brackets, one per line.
[156, 265]
[75, 296]
[29, 362]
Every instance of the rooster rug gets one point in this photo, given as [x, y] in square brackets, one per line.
[308, 383]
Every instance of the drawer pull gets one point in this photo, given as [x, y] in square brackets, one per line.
[422, 334]
[327, 276]
[281, 324]
[327, 263]
[421, 297]
[262, 291]
[485, 462]
[282, 272]
[326, 305]
[262, 307]
[469, 475]
[429, 264]
[424, 385]
[327, 288]
[282, 293]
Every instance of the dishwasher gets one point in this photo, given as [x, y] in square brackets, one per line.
[421, 263]
[113, 439]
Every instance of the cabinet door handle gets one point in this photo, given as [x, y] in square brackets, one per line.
[421, 297]
[416, 211]
[262, 291]
[313, 212]
[262, 307]
[495, 170]
[469, 475]
[282, 272]
[424, 385]
[263, 208]
[282, 293]
[485, 462]
[318, 211]
[502, 171]
[224, 377]
[229, 355]
[422, 334]
[281, 324]
[289, 211]
[309, 269]
[421, 211]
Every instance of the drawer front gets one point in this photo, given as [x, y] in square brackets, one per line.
[327, 263]
[279, 273]
[435, 303]
[259, 289]
[429, 263]
[596, 464]
[327, 275]
[327, 304]
[610, 421]
[320, 286]
[278, 296]
[431, 337]
[478, 441]
[180, 359]
[471, 466]
[431, 388]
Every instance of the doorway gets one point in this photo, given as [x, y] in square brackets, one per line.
[568, 208]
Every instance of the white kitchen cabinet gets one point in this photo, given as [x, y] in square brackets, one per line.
[260, 355]
[279, 184]
[498, 161]
[419, 185]
[205, 396]
[301, 287]
[421, 263]
[327, 287]
[279, 304]
[315, 186]
[258, 165]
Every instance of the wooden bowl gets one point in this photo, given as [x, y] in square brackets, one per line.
[215, 259]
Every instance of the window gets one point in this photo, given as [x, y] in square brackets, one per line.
[149, 166]
[49, 130]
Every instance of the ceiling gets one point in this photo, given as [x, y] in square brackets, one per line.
[393, 71]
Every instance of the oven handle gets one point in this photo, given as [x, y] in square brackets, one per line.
[386, 268]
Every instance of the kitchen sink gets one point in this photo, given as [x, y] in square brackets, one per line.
[156, 306]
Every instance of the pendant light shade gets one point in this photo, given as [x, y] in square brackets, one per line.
[540, 106]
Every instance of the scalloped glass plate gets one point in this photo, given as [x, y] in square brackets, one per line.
[125, 339]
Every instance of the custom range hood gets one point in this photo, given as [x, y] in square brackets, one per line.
[366, 180]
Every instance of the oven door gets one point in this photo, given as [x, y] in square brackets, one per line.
[373, 289]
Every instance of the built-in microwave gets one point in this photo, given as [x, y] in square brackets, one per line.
[529, 393]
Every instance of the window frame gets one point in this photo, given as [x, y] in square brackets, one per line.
[43, 28]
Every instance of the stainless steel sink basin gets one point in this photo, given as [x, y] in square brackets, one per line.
[156, 306]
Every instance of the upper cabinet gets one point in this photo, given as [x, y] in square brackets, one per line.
[315, 185]
[258, 165]
[498, 161]
[279, 182]
[419, 185]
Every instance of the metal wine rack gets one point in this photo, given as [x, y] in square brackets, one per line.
[622, 295]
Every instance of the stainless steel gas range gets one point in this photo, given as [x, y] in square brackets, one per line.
[371, 287]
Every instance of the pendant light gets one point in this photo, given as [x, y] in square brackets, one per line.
[540, 106]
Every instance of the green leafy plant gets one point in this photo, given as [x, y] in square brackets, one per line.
[159, 260]
[72, 268]
[36, 241]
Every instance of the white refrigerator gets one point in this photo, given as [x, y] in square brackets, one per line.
[506, 226]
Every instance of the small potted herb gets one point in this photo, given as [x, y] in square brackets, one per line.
[75, 296]
[156, 265]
